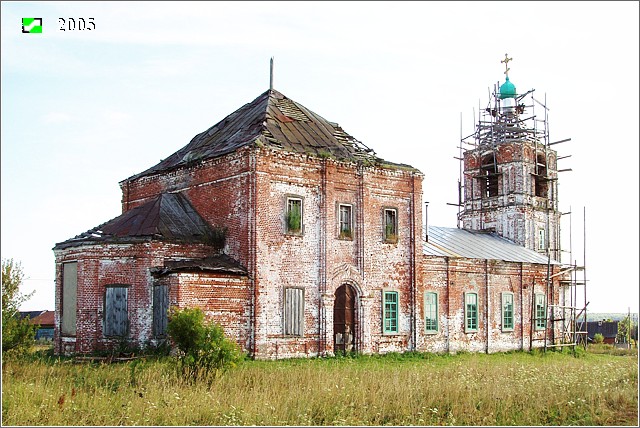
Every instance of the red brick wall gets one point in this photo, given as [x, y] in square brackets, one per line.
[452, 277]
[320, 261]
[101, 265]
[218, 190]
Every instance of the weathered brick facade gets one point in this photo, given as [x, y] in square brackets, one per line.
[359, 241]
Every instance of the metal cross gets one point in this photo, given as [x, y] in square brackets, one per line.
[506, 62]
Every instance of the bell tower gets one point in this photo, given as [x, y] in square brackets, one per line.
[509, 182]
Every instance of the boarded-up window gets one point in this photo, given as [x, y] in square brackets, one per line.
[160, 308]
[116, 316]
[69, 298]
[293, 311]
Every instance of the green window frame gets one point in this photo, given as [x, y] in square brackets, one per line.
[293, 217]
[390, 300]
[541, 312]
[470, 312]
[507, 311]
[430, 312]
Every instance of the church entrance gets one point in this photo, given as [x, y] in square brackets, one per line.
[344, 320]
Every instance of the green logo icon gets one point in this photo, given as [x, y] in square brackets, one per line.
[32, 25]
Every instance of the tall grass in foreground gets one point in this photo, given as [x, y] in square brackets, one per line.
[416, 389]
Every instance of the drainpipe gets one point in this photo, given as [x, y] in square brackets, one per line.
[446, 259]
[521, 308]
[412, 264]
[253, 250]
[487, 310]
[426, 221]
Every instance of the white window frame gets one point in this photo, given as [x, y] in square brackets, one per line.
[340, 222]
[288, 199]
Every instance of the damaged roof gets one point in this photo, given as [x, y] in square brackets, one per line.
[275, 121]
[220, 263]
[168, 216]
[474, 244]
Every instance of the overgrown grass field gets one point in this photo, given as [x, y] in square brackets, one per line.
[555, 388]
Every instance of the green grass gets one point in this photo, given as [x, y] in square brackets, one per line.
[411, 389]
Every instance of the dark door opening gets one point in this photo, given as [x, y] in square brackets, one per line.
[344, 320]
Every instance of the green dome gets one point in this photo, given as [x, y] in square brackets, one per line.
[507, 90]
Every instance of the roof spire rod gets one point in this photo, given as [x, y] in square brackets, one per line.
[271, 76]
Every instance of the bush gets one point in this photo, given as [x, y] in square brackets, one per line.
[203, 350]
[598, 338]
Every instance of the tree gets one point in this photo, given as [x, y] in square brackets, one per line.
[623, 330]
[17, 334]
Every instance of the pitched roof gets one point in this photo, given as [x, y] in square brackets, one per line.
[168, 216]
[46, 318]
[275, 121]
[473, 244]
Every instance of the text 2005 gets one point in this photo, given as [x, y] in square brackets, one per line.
[79, 24]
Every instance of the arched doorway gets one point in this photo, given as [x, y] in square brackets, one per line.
[344, 320]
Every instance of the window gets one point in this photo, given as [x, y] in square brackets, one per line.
[390, 311]
[540, 177]
[489, 177]
[390, 225]
[160, 310]
[507, 312]
[345, 222]
[116, 316]
[69, 298]
[293, 311]
[541, 317]
[294, 216]
[541, 244]
[470, 312]
[431, 312]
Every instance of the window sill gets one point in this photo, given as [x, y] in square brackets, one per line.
[507, 330]
[431, 332]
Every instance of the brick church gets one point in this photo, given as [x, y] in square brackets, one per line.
[300, 241]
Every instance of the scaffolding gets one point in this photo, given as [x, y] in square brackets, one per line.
[496, 124]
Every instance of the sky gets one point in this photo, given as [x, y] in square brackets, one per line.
[83, 110]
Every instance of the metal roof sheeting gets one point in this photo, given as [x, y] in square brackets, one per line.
[168, 216]
[275, 121]
[473, 244]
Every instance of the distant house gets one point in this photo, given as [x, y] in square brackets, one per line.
[44, 319]
[608, 329]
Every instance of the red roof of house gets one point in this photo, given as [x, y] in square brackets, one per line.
[46, 318]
